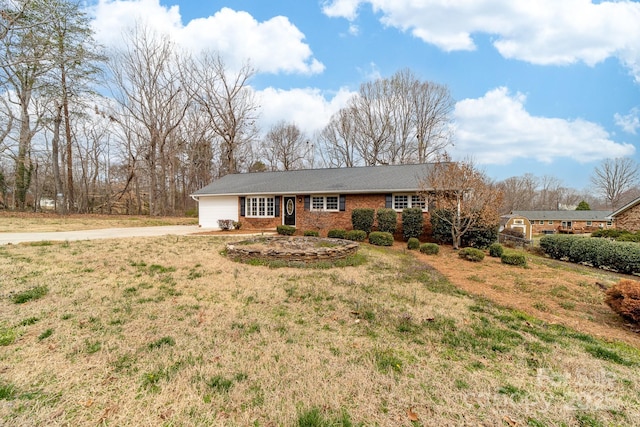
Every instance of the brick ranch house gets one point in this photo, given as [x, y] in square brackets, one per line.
[312, 199]
[571, 222]
[628, 217]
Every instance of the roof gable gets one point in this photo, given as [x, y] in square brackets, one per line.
[367, 179]
[626, 207]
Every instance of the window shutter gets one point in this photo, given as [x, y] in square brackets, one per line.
[307, 203]
[388, 201]
[343, 199]
[242, 206]
[277, 206]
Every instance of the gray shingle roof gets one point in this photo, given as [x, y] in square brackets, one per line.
[565, 215]
[368, 179]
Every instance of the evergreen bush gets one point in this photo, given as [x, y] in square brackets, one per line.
[387, 220]
[362, 219]
[355, 235]
[381, 238]
[514, 258]
[311, 233]
[471, 254]
[413, 243]
[336, 233]
[285, 230]
[412, 223]
[496, 250]
[430, 248]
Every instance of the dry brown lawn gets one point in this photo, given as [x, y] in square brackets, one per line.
[16, 222]
[168, 331]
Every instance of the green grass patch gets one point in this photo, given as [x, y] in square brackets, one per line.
[164, 341]
[314, 417]
[7, 335]
[30, 295]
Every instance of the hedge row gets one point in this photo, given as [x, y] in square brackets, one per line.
[623, 257]
[387, 221]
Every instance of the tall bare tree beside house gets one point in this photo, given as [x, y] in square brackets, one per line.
[148, 88]
[337, 141]
[230, 106]
[394, 120]
[613, 177]
[285, 147]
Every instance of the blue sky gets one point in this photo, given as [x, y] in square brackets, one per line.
[545, 87]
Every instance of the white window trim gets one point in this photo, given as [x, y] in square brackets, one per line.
[249, 202]
[324, 203]
[410, 196]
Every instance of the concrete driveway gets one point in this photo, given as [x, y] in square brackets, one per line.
[106, 233]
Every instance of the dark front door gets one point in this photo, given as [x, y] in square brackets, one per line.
[289, 211]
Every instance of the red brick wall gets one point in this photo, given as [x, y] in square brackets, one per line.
[325, 221]
[629, 220]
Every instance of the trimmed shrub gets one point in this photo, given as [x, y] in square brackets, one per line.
[286, 230]
[624, 299]
[381, 238]
[237, 225]
[362, 219]
[412, 223]
[496, 250]
[413, 243]
[336, 233]
[310, 233]
[586, 250]
[387, 220]
[355, 235]
[514, 258]
[557, 246]
[471, 254]
[429, 248]
[609, 233]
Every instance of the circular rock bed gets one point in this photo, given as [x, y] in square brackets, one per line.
[291, 249]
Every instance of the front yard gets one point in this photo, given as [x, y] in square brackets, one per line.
[167, 331]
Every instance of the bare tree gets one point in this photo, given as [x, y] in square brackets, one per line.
[394, 120]
[230, 107]
[285, 147]
[614, 177]
[147, 86]
[76, 63]
[519, 193]
[463, 196]
[25, 49]
[337, 141]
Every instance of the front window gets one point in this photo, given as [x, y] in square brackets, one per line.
[325, 203]
[589, 223]
[260, 207]
[403, 201]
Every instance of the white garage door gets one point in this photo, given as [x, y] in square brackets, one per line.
[213, 208]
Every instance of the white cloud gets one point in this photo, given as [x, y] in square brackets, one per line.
[272, 46]
[497, 129]
[629, 123]
[541, 32]
[308, 108]
[341, 8]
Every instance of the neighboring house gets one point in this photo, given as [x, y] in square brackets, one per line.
[546, 222]
[628, 216]
[312, 199]
[517, 222]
